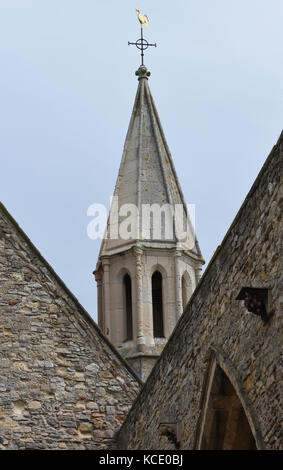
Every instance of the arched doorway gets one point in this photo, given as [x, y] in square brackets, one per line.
[226, 426]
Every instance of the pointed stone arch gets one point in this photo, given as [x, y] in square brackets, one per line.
[157, 304]
[159, 315]
[159, 267]
[227, 421]
[122, 272]
[127, 284]
[123, 320]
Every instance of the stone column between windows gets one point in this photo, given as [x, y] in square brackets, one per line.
[140, 333]
[178, 285]
[198, 269]
[106, 297]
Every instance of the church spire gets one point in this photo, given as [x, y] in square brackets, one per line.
[149, 262]
[147, 176]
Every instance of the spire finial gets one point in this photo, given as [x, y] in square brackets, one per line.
[142, 72]
[142, 44]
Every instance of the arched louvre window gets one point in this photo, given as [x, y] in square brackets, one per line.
[157, 305]
[128, 306]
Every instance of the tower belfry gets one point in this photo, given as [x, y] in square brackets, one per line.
[149, 262]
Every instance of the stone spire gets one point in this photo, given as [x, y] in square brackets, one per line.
[147, 176]
[149, 262]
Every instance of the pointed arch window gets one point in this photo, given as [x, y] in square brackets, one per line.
[157, 305]
[226, 426]
[128, 307]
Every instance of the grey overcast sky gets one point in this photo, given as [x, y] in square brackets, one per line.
[67, 88]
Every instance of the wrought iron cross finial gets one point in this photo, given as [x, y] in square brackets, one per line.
[142, 44]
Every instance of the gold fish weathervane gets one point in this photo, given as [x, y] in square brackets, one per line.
[143, 19]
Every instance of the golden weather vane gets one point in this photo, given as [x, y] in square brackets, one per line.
[143, 19]
[142, 44]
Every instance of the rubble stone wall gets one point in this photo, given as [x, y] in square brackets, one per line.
[62, 384]
[217, 325]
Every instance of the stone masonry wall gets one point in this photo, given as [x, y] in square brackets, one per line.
[62, 384]
[215, 323]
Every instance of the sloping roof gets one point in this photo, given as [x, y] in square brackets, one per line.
[80, 309]
[147, 176]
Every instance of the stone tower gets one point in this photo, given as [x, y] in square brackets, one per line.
[149, 262]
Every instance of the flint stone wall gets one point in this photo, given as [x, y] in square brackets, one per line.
[62, 384]
[215, 323]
